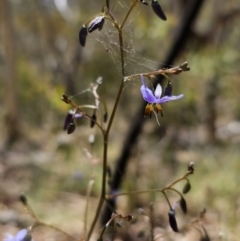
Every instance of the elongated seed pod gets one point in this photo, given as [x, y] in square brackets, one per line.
[93, 120]
[83, 35]
[186, 188]
[158, 10]
[173, 221]
[71, 128]
[183, 205]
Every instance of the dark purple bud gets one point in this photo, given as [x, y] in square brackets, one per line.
[173, 221]
[71, 128]
[96, 23]
[186, 188]
[158, 10]
[183, 205]
[23, 199]
[83, 35]
[168, 89]
[68, 120]
[93, 120]
[144, 2]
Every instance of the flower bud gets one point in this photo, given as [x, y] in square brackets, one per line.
[183, 205]
[158, 10]
[23, 199]
[68, 119]
[71, 128]
[93, 119]
[186, 188]
[173, 221]
[83, 35]
[96, 23]
[168, 89]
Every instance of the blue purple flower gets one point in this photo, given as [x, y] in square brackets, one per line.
[155, 98]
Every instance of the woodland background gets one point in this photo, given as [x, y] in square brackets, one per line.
[40, 58]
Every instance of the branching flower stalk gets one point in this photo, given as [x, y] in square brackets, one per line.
[97, 23]
[169, 186]
[38, 222]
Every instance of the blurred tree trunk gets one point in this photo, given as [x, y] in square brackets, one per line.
[10, 98]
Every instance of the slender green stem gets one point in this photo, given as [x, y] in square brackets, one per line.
[169, 204]
[107, 4]
[151, 217]
[151, 190]
[107, 224]
[90, 184]
[128, 13]
[106, 133]
[173, 189]
[114, 109]
[102, 197]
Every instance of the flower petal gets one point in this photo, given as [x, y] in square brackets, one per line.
[158, 91]
[78, 115]
[8, 237]
[22, 235]
[169, 98]
[146, 92]
[148, 95]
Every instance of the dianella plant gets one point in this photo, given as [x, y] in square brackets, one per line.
[100, 117]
